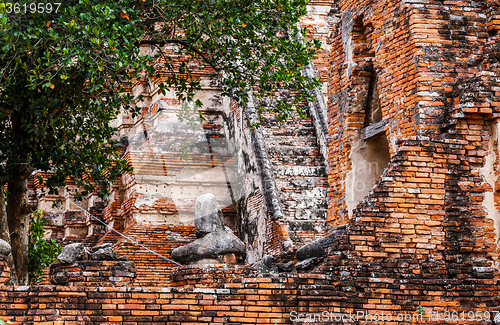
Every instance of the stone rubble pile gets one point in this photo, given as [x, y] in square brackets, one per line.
[78, 252]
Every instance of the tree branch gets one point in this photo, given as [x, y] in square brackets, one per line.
[185, 44]
[22, 172]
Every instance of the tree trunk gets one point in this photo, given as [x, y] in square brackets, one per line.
[18, 210]
[18, 206]
[5, 235]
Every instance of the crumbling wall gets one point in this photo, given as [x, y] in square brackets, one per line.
[283, 197]
[372, 56]
[300, 175]
[425, 234]
[418, 240]
[416, 58]
[490, 172]
[227, 294]
[275, 218]
[253, 211]
[174, 163]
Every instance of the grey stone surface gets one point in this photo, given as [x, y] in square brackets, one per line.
[266, 265]
[106, 253]
[288, 267]
[123, 141]
[270, 190]
[103, 246]
[308, 263]
[318, 248]
[300, 174]
[4, 248]
[313, 249]
[72, 253]
[210, 246]
[208, 215]
[214, 238]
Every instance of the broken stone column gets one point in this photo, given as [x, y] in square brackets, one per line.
[216, 243]
[72, 253]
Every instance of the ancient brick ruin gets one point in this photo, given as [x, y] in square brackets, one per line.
[392, 182]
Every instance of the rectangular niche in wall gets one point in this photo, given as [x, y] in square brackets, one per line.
[369, 158]
[370, 153]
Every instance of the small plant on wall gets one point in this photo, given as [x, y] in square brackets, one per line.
[41, 253]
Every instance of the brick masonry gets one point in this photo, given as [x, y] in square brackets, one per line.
[423, 234]
[300, 177]
[228, 294]
[92, 273]
[5, 271]
[152, 270]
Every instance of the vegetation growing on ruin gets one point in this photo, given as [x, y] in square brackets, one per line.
[41, 253]
[67, 69]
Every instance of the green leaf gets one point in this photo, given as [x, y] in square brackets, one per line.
[41, 253]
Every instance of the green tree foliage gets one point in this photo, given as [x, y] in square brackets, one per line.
[40, 252]
[63, 81]
[251, 45]
[66, 74]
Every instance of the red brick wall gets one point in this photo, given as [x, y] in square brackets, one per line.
[228, 295]
[152, 270]
[4, 271]
[390, 49]
[422, 236]
[93, 273]
[407, 249]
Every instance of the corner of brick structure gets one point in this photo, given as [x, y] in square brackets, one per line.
[421, 238]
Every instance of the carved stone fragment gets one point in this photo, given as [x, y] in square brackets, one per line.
[72, 253]
[214, 239]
